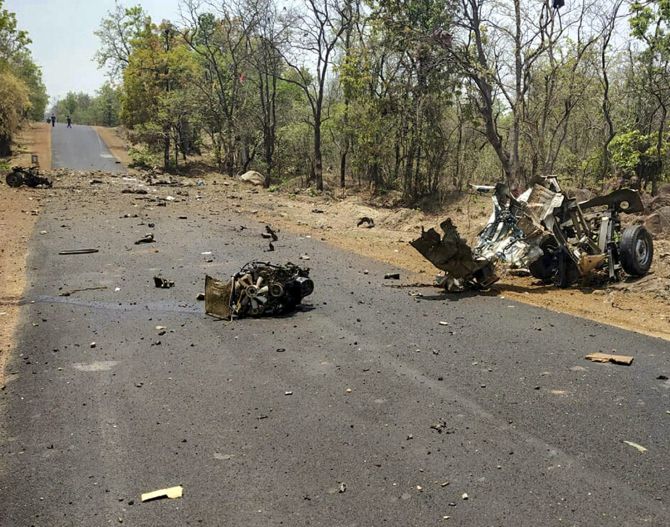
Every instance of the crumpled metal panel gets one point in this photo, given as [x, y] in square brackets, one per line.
[450, 253]
[217, 297]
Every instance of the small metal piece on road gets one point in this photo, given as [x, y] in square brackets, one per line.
[343, 488]
[163, 283]
[288, 392]
[148, 238]
[171, 493]
[78, 251]
[636, 446]
[392, 276]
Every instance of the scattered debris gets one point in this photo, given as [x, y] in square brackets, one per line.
[68, 293]
[369, 222]
[342, 488]
[270, 248]
[439, 426]
[270, 233]
[626, 360]
[171, 493]
[639, 448]
[318, 211]
[30, 177]
[289, 392]
[392, 276]
[200, 297]
[163, 283]
[258, 288]
[79, 251]
[134, 191]
[148, 238]
[304, 257]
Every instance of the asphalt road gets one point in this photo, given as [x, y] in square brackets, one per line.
[498, 406]
[80, 148]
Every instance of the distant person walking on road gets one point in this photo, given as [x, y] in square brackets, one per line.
[53, 119]
[69, 121]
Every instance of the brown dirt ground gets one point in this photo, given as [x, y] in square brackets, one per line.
[642, 305]
[115, 141]
[18, 213]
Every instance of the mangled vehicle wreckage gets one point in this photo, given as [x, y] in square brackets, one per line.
[557, 238]
[259, 288]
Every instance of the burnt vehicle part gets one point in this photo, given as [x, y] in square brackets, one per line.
[555, 237]
[453, 255]
[587, 236]
[259, 288]
[30, 177]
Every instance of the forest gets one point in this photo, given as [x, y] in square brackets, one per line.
[22, 92]
[422, 97]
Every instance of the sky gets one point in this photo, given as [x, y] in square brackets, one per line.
[63, 41]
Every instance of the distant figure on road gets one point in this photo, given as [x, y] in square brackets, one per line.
[53, 119]
[69, 121]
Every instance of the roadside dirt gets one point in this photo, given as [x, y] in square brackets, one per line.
[114, 140]
[19, 209]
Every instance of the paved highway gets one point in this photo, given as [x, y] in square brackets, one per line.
[80, 148]
[392, 419]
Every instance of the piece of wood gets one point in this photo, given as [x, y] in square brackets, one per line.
[626, 360]
[172, 493]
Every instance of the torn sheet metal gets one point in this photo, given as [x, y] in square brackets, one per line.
[453, 255]
[259, 288]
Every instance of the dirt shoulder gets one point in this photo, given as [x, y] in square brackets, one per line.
[19, 209]
[118, 146]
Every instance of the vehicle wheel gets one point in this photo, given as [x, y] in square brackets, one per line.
[545, 267]
[567, 270]
[637, 250]
[14, 179]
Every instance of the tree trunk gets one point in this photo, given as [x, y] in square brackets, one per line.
[318, 163]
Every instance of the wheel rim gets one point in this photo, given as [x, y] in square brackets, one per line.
[642, 250]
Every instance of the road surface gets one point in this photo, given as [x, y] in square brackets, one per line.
[80, 148]
[375, 413]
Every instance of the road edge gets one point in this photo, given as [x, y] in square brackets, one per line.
[19, 212]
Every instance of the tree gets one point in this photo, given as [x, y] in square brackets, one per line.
[650, 24]
[117, 32]
[22, 92]
[310, 45]
[154, 89]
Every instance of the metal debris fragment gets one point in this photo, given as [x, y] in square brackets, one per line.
[30, 177]
[171, 493]
[639, 448]
[163, 283]
[626, 360]
[259, 288]
[148, 238]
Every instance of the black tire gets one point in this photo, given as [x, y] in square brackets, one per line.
[545, 267]
[636, 250]
[14, 179]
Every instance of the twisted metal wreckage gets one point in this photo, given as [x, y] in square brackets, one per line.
[557, 238]
[259, 288]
